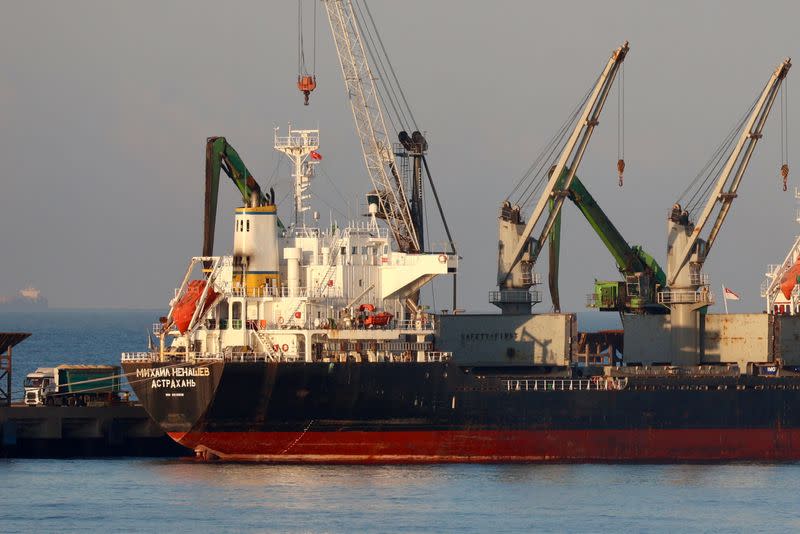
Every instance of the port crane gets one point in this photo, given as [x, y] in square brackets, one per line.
[518, 250]
[220, 155]
[688, 247]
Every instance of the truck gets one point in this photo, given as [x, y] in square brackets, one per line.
[74, 385]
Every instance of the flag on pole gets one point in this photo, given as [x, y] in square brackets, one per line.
[728, 294]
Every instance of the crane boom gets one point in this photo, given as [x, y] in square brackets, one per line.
[629, 259]
[222, 156]
[370, 124]
[570, 159]
[735, 167]
[632, 261]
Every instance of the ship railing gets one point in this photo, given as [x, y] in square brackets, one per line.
[687, 296]
[258, 357]
[268, 291]
[598, 383]
[210, 356]
[531, 277]
[772, 269]
[699, 279]
[136, 357]
[764, 289]
[414, 324]
[515, 295]
[438, 356]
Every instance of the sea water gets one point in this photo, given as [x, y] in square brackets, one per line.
[181, 495]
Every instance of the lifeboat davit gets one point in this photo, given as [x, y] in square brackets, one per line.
[184, 309]
[789, 280]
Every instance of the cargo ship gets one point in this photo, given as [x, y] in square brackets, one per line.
[27, 299]
[304, 345]
[310, 343]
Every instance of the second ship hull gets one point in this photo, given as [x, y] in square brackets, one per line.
[440, 412]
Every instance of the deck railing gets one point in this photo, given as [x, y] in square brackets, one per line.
[599, 383]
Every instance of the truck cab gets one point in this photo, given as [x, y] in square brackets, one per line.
[38, 385]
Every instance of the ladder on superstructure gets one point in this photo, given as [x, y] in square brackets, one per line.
[324, 283]
[266, 342]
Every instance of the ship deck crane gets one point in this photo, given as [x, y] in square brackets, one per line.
[518, 251]
[365, 104]
[222, 156]
[643, 275]
[687, 293]
[371, 82]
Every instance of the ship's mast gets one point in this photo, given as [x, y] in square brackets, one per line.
[300, 146]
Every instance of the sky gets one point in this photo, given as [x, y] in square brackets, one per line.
[105, 108]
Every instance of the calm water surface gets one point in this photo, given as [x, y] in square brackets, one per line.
[184, 495]
[154, 495]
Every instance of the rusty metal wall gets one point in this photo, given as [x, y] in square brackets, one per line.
[545, 339]
[738, 338]
[787, 339]
[647, 338]
[733, 338]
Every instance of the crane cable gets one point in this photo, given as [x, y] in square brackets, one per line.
[302, 69]
[537, 174]
[696, 193]
[392, 93]
[621, 124]
[306, 82]
[785, 134]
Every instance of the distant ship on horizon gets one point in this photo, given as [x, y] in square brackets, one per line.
[27, 299]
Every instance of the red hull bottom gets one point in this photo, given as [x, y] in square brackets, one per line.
[491, 446]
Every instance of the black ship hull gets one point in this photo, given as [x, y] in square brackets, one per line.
[440, 412]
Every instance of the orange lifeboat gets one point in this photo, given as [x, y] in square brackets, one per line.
[379, 319]
[789, 279]
[306, 84]
[184, 309]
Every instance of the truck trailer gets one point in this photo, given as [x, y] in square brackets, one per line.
[74, 385]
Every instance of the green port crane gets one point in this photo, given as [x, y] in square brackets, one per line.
[643, 276]
[221, 155]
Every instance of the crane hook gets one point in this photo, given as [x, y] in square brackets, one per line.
[620, 169]
[306, 84]
[785, 175]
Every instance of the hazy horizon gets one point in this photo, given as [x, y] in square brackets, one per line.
[105, 108]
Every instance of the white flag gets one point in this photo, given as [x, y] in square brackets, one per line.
[728, 294]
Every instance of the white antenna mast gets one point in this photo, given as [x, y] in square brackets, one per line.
[300, 146]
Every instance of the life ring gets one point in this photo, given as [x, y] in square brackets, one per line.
[285, 348]
[276, 348]
[280, 320]
[442, 258]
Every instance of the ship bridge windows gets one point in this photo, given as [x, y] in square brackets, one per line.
[236, 315]
[222, 315]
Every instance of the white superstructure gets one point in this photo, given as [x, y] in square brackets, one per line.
[777, 274]
[306, 293]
